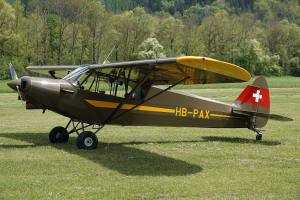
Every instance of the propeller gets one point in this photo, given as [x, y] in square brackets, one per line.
[15, 81]
[13, 72]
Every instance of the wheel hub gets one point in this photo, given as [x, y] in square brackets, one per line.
[58, 135]
[88, 141]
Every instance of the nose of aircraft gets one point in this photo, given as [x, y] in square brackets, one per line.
[41, 91]
[14, 83]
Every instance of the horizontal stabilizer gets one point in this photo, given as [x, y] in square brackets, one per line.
[264, 115]
[279, 118]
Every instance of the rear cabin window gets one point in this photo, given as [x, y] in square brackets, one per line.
[115, 82]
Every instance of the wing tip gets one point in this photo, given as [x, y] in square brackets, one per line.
[224, 68]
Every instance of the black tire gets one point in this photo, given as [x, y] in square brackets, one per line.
[87, 140]
[258, 137]
[58, 135]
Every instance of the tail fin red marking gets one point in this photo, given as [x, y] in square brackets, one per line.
[255, 95]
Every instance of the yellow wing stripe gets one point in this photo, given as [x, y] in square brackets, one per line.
[107, 104]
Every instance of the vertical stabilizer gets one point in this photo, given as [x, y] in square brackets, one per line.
[254, 99]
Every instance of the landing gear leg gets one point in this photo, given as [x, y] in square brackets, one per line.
[85, 140]
[256, 130]
[258, 135]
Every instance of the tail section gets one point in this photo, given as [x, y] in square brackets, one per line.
[255, 97]
[255, 101]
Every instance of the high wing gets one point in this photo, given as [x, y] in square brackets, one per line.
[57, 71]
[166, 71]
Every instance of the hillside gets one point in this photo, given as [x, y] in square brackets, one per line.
[262, 36]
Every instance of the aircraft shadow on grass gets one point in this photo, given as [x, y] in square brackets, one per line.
[126, 159]
[116, 156]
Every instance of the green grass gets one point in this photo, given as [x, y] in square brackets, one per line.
[152, 162]
[4, 88]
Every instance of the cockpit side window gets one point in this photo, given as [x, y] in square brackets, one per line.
[76, 74]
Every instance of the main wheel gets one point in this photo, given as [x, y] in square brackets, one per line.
[87, 140]
[58, 135]
[258, 137]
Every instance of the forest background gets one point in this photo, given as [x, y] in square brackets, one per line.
[263, 36]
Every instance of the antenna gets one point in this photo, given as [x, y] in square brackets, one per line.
[112, 49]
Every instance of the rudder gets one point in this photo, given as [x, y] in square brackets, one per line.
[255, 99]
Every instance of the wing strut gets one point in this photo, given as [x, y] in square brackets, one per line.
[110, 117]
[146, 100]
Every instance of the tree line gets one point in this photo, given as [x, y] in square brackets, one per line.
[263, 36]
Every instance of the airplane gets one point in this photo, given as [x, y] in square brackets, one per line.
[139, 93]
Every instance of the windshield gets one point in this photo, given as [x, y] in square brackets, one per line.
[75, 75]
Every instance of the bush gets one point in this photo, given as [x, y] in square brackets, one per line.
[294, 65]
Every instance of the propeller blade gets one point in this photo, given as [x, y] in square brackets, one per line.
[12, 71]
[19, 95]
[13, 84]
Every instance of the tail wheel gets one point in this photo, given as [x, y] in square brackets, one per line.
[58, 135]
[258, 137]
[87, 140]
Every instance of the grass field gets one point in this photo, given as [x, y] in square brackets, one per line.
[150, 162]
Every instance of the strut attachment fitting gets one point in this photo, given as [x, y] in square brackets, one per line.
[78, 127]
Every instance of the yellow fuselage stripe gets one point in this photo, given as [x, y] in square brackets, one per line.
[107, 104]
[224, 116]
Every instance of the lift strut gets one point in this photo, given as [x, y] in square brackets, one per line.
[148, 99]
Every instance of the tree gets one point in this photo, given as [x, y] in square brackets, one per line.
[7, 19]
[170, 34]
[283, 38]
[262, 35]
[294, 65]
[150, 49]
[132, 27]
[198, 12]
[8, 38]
[97, 21]
[214, 32]
[242, 5]
[256, 59]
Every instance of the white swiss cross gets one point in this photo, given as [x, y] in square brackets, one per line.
[257, 96]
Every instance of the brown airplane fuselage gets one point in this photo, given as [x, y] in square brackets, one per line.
[171, 108]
